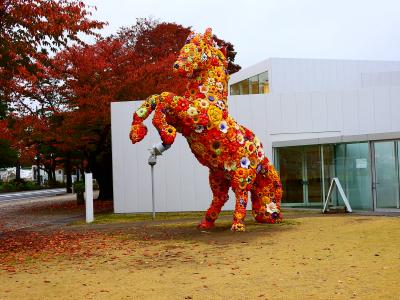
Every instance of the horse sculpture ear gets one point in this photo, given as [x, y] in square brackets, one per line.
[224, 51]
[190, 36]
[208, 36]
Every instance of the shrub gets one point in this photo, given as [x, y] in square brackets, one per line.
[79, 187]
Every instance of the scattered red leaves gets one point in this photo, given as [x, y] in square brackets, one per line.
[68, 207]
[16, 247]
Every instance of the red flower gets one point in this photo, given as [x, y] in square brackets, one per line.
[183, 104]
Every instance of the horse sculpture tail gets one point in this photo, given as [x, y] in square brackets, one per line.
[138, 129]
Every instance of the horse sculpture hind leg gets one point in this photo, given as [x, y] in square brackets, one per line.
[219, 187]
[242, 181]
[266, 195]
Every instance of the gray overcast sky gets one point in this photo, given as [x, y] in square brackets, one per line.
[345, 29]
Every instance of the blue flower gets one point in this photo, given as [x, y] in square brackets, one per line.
[245, 162]
[223, 126]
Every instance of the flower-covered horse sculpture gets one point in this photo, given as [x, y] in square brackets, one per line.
[233, 154]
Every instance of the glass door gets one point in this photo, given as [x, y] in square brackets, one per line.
[300, 171]
[313, 175]
[386, 182]
[291, 172]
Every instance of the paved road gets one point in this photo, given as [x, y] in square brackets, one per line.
[30, 194]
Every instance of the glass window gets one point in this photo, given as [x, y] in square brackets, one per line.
[313, 173]
[257, 84]
[291, 172]
[387, 181]
[235, 89]
[254, 89]
[244, 87]
[354, 172]
[300, 169]
[263, 83]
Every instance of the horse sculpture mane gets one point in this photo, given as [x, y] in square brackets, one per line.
[234, 155]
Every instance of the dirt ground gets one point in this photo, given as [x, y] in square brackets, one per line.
[309, 256]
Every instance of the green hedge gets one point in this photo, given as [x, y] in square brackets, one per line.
[16, 186]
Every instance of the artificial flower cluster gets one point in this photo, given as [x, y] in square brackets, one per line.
[234, 155]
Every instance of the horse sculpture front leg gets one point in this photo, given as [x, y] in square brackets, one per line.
[159, 104]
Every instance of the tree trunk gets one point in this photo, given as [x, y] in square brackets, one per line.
[102, 171]
[38, 181]
[68, 173]
[49, 175]
[18, 172]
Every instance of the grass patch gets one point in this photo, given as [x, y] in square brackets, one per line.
[107, 218]
[110, 218]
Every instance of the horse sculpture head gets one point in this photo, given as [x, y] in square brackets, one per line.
[199, 53]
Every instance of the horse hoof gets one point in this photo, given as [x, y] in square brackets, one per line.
[238, 227]
[204, 225]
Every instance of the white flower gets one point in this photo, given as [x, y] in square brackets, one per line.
[271, 207]
[220, 104]
[204, 104]
[245, 162]
[192, 111]
[199, 128]
[219, 86]
[204, 57]
[203, 89]
[240, 138]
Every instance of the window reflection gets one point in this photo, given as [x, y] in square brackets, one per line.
[257, 84]
[235, 89]
[254, 85]
[263, 83]
[244, 87]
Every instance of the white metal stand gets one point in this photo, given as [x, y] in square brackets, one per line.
[152, 162]
[341, 192]
[89, 197]
[155, 151]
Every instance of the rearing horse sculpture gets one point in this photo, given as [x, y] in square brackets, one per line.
[233, 154]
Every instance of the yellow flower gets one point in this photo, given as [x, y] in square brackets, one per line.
[240, 138]
[230, 165]
[141, 112]
[250, 148]
[214, 114]
[253, 162]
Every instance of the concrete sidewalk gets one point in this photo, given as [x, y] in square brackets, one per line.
[40, 212]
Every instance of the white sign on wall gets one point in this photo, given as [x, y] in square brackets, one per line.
[361, 163]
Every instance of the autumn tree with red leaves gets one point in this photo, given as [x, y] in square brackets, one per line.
[61, 105]
[30, 33]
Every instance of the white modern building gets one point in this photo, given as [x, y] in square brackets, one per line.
[317, 119]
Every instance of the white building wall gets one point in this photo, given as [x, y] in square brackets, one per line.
[279, 119]
[297, 75]
[319, 101]
[381, 79]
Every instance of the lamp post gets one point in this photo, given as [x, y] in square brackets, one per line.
[155, 151]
